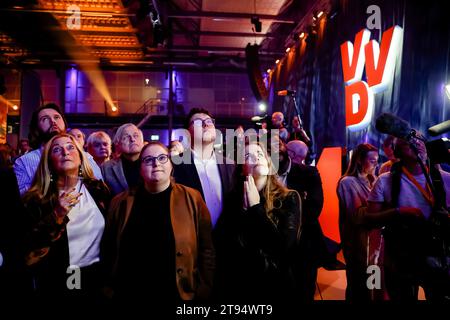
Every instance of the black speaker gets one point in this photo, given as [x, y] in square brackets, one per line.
[254, 72]
[2, 84]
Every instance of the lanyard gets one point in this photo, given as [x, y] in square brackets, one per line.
[428, 195]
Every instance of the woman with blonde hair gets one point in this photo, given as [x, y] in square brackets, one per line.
[65, 209]
[256, 239]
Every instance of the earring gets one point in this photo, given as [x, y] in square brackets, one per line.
[51, 177]
[80, 172]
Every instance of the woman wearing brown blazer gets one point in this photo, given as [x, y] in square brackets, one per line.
[159, 237]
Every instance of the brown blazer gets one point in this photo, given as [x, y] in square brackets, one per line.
[191, 223]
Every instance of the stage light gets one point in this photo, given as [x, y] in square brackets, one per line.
[147, 82]
[319, 14]
[269, 71]
[288, 49]
[15, 107]
[302, 35]
[262, 106]
[447, 90]
[154, 137]
[257, 23]
[277, 61]
[258, 118]
[114, 108]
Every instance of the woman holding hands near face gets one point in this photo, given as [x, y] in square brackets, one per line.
[65, 222]
[257, 236]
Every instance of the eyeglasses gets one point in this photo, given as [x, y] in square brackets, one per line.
[203, 123]
[150, 161]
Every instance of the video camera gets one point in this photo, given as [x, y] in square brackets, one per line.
[438, 150]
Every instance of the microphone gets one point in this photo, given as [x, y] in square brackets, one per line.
[286, 92]
[393, 125]
[440, 128]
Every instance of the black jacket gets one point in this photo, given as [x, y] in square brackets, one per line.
[254, 252]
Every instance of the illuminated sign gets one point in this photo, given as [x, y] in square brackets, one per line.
[379, 62]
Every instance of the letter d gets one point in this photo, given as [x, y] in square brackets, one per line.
[358, 105]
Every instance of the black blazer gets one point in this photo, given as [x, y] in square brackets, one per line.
[307, 182]
[186, 174]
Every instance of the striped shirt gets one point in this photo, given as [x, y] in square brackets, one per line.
[26, 166]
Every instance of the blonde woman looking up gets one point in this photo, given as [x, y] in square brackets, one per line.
[65, 222]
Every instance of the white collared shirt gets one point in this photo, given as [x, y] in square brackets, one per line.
[209, 175]
[84, 230]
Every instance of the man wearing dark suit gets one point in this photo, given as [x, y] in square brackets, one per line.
[123, 173]
[202, 168]
[306, 181]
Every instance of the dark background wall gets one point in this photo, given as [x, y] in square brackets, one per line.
[417, 94]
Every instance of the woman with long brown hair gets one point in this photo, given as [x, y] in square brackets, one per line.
[353, 190]
[258, 233]
[65, 221]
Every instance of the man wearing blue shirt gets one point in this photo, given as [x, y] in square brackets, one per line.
[46, 122]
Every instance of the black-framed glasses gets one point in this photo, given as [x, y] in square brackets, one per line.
[150, 161]
[203, 123]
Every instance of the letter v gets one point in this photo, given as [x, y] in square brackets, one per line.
[380, 63]
[353, 60]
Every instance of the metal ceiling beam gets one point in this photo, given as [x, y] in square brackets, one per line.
[228, 15]
[227, 34]
[210, 49]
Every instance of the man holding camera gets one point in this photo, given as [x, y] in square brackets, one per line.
[412, 208]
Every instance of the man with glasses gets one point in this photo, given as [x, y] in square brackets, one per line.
[205, 170]
[123, 173]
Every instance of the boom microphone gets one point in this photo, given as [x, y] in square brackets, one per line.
[286, 92]
[393, 125]
[440, 128]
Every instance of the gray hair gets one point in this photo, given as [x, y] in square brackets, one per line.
[96, 136]
[121, 129]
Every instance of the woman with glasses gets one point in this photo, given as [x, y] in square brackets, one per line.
[353, 190]
[65, 209]
[257, 237]
[159, 237]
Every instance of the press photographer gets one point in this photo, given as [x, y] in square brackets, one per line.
[411, 203]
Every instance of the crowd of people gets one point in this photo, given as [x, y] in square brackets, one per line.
[121, 228]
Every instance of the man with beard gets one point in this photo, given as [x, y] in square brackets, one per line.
[123, 173]
[46, 122]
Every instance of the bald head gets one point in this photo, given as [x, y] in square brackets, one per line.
[297, 151]
[277, 119]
